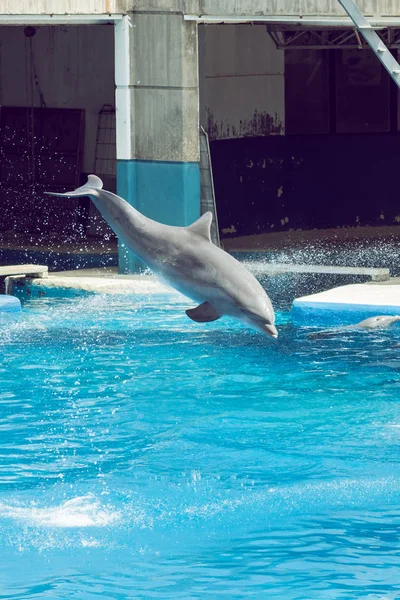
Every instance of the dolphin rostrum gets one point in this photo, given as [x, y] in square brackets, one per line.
[379, 322]
[186, 259]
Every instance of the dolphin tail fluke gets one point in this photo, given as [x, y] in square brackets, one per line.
[93, 183]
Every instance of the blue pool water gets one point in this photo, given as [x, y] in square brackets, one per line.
[146, 456]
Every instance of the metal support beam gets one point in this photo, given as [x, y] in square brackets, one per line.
[371, 37]
[298, 21]
[289, 37]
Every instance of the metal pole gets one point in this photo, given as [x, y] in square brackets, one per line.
[371, 37]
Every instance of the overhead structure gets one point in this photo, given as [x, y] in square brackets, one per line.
[362, 36]
[374, 42]
[299, 38]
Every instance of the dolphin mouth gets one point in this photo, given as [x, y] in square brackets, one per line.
[269, 329]
[259, 322]
[264, 327]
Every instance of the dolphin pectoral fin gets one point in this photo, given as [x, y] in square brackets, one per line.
[204, 313]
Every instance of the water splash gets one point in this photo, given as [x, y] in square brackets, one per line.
[82, 511]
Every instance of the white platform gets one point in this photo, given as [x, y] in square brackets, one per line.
[78, 282]
[10, 272]
[29, 270]
[9, 304]
[346, 304]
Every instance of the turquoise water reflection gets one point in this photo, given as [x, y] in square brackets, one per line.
[145, 456]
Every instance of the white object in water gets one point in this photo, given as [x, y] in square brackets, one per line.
[347, 304]
[9, 304]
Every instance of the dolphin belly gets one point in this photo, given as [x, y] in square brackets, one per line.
[234, 293]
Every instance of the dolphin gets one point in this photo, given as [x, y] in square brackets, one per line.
[186, 259]
[379, 322]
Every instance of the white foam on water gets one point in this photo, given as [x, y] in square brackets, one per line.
[83, 511]
[89, 543]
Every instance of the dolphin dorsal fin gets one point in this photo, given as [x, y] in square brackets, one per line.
[203, 226]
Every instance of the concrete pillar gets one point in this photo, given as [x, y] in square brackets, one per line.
[157, 119]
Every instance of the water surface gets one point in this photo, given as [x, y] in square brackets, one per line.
[146, 456]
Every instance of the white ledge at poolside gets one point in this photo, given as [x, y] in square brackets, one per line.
[348, 304]
[28, 270]
[100, 281]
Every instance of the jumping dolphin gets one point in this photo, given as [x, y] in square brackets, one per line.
[186, 259]
[378, 322]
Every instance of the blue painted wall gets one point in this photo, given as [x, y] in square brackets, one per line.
[168, 192]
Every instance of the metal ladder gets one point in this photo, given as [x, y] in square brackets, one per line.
[207, 195]
[105, 159]
[105, 166]
[373, 40]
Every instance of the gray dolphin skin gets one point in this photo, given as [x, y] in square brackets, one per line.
[379, 322]
[186, 259]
